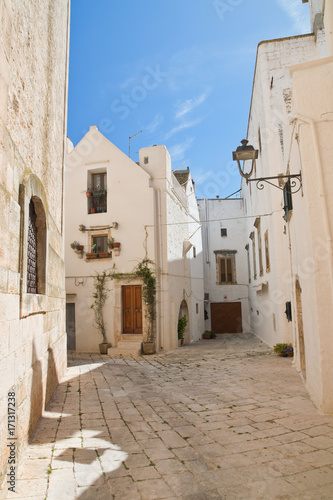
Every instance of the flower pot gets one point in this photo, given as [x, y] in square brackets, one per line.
[148, 347]
[91, 255]
[206, 336]
[93, 210]
[116, 244]
[103, 255]
[88, 193]
[80, 248]
[103, 348]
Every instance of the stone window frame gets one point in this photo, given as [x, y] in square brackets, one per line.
[257, 225]
[95, 232]
[32, 190]
[220, 256]
[267, 255]
[254, 257]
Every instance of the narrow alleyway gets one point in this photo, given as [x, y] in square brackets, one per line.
[220, 419]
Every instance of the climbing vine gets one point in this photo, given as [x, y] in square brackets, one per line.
[100, 296]
[143, 270]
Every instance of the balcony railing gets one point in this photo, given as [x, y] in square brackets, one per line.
[97, 200]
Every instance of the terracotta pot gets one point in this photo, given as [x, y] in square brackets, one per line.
[91, 255]
[93, 210]
[88, 193]
[80, 248]
[148, 347]
[116, 244]
[206, 336]
[103, 348]
[103, 255]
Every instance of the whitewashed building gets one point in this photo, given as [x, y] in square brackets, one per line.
[289, 230]
[150, 215]
[226, 269]
[33, 104]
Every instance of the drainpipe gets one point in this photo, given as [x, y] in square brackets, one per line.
[322, 194]
[206, 236]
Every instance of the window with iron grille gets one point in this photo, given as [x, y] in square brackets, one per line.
[32, 279]
[97, 202]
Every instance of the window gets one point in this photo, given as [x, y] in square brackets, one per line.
[36, 247]
[257, 224]
[226, 274]
[247, 248]
[223, 231]
[99, 244]
[97, 194]
[146, 160]
[32, 251]
[254, 255]
[268, 266]
[197, 308]
[194, 253]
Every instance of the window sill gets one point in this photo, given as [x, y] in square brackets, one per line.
[101, 255]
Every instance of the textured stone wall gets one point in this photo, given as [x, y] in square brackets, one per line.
[33, 84]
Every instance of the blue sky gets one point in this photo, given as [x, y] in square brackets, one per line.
[179, 70]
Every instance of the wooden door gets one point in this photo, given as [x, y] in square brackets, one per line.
[226, 317]
[132, 309]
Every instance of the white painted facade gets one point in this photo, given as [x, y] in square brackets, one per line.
[155, 217]
[290, 123]
[218, 217]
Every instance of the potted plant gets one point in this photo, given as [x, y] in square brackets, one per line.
[100, 297]
[88, 193]
[116, 244]
[182, 324]
[284, 350]
[208, 334]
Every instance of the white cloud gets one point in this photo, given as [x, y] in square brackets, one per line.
[297, 13]
[177, 151]
[182, 126]
[190, 104]
[154, 124]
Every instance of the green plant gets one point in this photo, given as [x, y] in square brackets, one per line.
[100, 297]
[209, 334]
[182, 324]
[75, 245]
[284, 350]
[144, 271]
[110, 242]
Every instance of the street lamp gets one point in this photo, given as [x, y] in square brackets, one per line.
[292, 184]
[247, 152]
[244, 153]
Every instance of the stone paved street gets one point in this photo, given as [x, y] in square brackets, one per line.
[219, 419]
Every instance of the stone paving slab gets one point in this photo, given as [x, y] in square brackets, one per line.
[219, 419]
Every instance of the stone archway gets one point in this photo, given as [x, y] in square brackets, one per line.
[300, 331]
[183, 311]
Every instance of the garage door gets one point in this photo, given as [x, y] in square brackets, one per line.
[226, 317]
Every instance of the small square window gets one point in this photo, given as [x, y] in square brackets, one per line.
[99, 244]
[146, 160]
[223, 231]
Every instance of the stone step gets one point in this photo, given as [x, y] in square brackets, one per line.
[126, 348]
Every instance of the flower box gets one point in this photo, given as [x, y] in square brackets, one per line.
[101, 255]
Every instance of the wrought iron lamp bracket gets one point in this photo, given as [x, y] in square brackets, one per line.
[294, 179]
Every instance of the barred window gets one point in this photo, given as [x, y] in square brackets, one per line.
[32, 279]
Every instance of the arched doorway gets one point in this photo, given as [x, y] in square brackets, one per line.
[183, 311]
[300, 331]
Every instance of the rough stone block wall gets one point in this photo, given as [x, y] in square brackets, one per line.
[33, 86]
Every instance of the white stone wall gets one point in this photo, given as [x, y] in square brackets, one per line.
[130, 201]
[291, 112]
[33, 95]
[228, 214]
